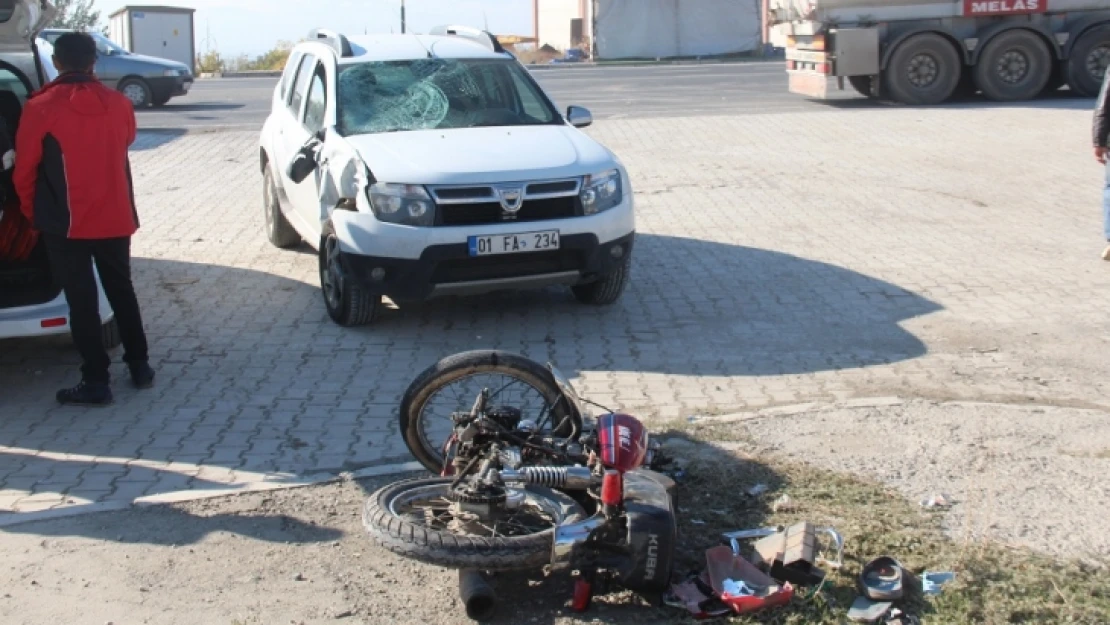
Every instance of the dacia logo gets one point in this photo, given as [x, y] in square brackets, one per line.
[652, 556]
[512, 198]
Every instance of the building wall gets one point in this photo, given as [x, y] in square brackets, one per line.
[630, 29]
[553, 19]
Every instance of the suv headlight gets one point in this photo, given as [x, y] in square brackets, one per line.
[600, 192]
[406, 204]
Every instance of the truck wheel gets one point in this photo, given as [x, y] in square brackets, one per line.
[1015, 65]
[924, 69]
[1089, 59]
[862, 85]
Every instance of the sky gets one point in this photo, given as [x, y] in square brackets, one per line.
[252, 27]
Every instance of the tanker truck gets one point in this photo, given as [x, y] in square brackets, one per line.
[925, 52]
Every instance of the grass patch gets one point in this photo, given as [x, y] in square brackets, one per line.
[994, 583]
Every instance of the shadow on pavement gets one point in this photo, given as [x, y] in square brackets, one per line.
[154, 138]
[196, 107]
[694, 307]
[254, 377]
[159, 525]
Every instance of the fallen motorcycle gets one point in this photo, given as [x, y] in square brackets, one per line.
[528, 478]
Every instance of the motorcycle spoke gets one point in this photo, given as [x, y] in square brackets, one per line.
[458, 396]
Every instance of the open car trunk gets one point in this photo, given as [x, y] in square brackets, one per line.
[28, 282]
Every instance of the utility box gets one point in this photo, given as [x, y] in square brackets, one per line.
[161, 31]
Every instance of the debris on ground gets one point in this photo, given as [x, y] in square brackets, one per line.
[784, 504]
[933, 583]
[937, 501]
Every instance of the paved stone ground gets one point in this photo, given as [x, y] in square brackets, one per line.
[949, 253]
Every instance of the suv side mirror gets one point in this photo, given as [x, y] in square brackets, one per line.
[579, 117]
[304, 162]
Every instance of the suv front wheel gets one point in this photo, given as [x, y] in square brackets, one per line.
[349, 304]
[608, 289]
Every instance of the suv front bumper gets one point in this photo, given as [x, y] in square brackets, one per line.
[450, 270]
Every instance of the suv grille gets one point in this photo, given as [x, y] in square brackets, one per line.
[481, 204]
[492, 213]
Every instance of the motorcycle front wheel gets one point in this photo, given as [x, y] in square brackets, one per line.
[453, 384]
[418, 519]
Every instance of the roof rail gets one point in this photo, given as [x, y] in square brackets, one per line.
[483, 37]
[332, 39]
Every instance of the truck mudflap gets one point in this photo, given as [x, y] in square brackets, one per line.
[808, 72]
[809, 84]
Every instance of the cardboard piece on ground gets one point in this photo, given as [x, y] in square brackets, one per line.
[864, 610]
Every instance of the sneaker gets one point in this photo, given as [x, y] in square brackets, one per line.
[142, 375]
[86, 394]
[1106, 253]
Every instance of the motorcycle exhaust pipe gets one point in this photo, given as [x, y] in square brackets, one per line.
[477, 595]
[564, 478]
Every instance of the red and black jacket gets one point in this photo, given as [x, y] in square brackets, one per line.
[72, 171]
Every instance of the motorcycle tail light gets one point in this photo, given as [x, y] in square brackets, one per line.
[612, 488]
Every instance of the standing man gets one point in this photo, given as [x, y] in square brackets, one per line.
[1102, 153]
[73, 178]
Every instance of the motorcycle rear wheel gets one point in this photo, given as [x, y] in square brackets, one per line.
[396, 520]
[425, 390]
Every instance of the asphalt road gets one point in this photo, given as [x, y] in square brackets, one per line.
[609, 92]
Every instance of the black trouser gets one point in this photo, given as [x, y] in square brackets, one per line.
[71, 262]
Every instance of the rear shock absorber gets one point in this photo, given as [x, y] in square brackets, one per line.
[564, 478]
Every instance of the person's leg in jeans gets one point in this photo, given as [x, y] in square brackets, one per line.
[71, 263]
[113, 263]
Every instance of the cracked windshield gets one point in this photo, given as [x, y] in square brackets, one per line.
[428, 94]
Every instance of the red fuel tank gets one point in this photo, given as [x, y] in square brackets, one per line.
[624, 442]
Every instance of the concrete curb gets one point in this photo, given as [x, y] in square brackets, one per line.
[13, 519]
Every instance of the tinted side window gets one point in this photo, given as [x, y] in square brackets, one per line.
[317, 103]
[300, 88]
[290, 72]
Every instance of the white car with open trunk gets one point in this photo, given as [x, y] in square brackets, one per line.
[31, 301]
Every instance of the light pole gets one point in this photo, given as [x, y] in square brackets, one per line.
[402, 17]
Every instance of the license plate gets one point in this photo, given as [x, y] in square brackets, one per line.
[490, 245]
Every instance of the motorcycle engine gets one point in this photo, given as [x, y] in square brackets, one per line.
[505, 416]
[652, 533]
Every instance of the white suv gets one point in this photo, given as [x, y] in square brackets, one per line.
[428, 165]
